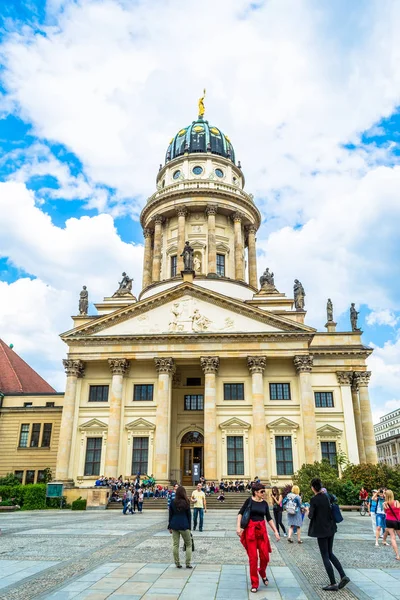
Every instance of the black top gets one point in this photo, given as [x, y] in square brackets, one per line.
[259, 510]
[179, 519]
[320, 515]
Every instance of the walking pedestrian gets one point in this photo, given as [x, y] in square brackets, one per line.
[127, 502]
[254, 537]
[380, 517]
[294, 517]
[179, 524]
[323, 527]
[278, 509]
[199, 506]
[392, 511]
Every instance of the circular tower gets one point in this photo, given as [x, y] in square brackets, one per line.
[200, 198]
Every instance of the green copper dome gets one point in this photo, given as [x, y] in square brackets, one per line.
[200, 137]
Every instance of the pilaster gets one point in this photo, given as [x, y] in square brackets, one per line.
[256, 365]
[210, 365]
[304, 364]
[165, 368]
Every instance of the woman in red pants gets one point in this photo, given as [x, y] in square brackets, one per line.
[255, 538]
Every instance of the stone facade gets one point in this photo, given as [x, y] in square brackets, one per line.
[205, 373]
[387, 435]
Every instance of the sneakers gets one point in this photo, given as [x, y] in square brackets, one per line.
[285, 535]
[344, 581]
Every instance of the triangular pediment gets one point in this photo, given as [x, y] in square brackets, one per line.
[140, 425]
[235, 423]
[329, 431]
[93, 424]
[187, 309]
[283, 423]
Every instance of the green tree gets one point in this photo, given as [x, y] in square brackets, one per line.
[324, 471]
[9, 479]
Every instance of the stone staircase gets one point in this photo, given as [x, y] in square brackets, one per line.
[233, 501]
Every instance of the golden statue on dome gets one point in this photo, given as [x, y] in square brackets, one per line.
[201, 105]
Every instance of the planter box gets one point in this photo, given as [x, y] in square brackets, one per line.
[4, 509]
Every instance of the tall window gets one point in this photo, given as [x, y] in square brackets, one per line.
[23, 436]
[35, 435]
[46, 437]
[284, 456]
[40, 476]
[233, 391]
[98, 393]
[143, 392]
[19, 475]
[235, 455]
[323, 399]
[194, 402]
[174, 265]
[328, 450]
[140, 455]
[221, 265]
[30, 477]
[93, 456]
[279, 391]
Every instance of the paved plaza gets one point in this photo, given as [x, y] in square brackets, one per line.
[98, 555]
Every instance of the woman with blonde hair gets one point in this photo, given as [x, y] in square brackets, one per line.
[392, 511]
[293, 509]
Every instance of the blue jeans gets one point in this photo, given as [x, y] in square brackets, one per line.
[196, 513]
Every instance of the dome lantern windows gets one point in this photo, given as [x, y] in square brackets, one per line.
[176, 174]
[219, 173]
[197, 170]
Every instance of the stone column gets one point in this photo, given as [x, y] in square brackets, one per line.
[165, 368]
[303, 364]
[158, 220]
[182, 213]
[362, 378]
[210, 366]
[256, 366]
[211, 211]
[252, 256]
[239, 263]
[147, 261]
[119, 367]
[74, 370]
[357, 420]
[345, 379]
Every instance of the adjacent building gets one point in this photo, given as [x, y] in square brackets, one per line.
[208, 371]
[30, 417]
[387, 435]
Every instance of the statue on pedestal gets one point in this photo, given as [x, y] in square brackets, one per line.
[329, 310]
[267, 279]
[125, 286]
[299, 295]
[188, 258]
[353, 317]
[83, 301]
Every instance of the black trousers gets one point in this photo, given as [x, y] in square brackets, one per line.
[278, 512]
[325, 547]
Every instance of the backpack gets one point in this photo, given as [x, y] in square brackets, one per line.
[291, 506]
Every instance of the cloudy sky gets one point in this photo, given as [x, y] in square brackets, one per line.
[93, 90]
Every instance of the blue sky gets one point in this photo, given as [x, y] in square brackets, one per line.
[92, 91]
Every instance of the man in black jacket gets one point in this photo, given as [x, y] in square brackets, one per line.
[323, 527]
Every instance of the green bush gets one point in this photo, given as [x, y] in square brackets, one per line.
[79, 504]
[9, 479]
[34, 496]
[7, 503]
[374, 477]
[9, 492]
[56, 502]
[324, 471]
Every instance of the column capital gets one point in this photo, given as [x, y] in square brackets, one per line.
[251, 229]
[182, 211]
[209, 364]
[211, 209]
[238, 217]
[303, 363]
[74, 368]
[256, 364]
[158, 219]
[118, 366]
[362, 378]
[165, 365]
[344, 377]
[147, 233]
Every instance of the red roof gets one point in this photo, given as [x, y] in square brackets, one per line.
[17, 377]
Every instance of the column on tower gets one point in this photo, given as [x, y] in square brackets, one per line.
[238, 240]
[148, 257]
[252, 257]
[158, 220]
[256, 366]
[165, 368]
[118, 367]
[182, 214]
[210, 365]
[211, 211]
[74, 369]
[345, 379]
[362, 378]
[304, 364]
[357, 419]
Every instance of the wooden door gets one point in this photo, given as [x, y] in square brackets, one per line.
[187, 464]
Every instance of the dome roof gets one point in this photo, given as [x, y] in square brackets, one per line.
[200, 137]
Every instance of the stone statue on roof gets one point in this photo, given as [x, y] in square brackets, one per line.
[83, 301]
[299, 295]
[125, 286]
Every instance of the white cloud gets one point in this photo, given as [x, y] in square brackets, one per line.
[382, 317]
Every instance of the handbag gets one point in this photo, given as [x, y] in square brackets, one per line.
[245, 520]
[184, 545]
[336, 514]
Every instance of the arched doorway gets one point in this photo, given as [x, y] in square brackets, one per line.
[192, 447]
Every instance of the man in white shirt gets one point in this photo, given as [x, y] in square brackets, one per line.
[199, 506]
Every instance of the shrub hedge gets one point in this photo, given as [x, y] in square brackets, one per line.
[79, 504]
[29, 497]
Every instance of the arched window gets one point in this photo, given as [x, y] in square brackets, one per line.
[192, 437]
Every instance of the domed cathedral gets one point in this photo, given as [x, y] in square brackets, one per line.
[210, 371]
